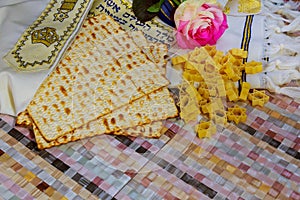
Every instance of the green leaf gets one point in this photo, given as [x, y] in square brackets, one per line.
[177, 2]
[140, 9]
[155, 7]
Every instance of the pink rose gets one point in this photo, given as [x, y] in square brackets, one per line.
[199, 24]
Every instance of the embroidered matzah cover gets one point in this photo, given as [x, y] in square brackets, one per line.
[43, 43]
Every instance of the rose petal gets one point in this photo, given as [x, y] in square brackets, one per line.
[184, 43]
[199, 23]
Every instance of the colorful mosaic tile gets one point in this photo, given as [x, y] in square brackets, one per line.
[259, 158]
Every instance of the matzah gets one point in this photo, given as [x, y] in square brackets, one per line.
[152, 130]
[79, 89]
[157, 52]
[154, 106]
[24, 119]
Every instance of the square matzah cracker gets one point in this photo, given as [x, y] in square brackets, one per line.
[79, 89]
[157, 105]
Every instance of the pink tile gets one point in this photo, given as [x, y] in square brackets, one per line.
[291, 109]
[83, 170]
[8, 119]
[25, 132]
[70, 161]
[233, 196]
[88, 145]
[290, 136]
[297, 146]
[28, 197]
[262, 160]
[278, 169]
[174, 128]
[267, 180]
[146, 145]
[153, 148]
[253, 155]
[121, 195]
[237, 146]
[22, 194]
[3, 178]
[199, 177]
[97, 180]
[8, 183]
[223, 191]
[89, 175]
[295, 195]
[287, 174]
[15, 189]
[295, 178]
[222, 138]
[294, 104]
[279, 137]
[105, 186]
[121, 146]
[263, 128]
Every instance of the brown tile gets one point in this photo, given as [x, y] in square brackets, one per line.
[275, 114]
[273, 193]
[259, 120]
[36, 181]
[282, 196]
[16, 167]
[271, 133]
[30, 155]
[248, 178]
[277, 186]
[270, 149]
[218, 169]
[49, 191]
[243, 167]
[222, 163]
[239, 173]
[254, 140]
[297, 126]
[56, 195]
[42, 186]
[12, 141]
[256, 182]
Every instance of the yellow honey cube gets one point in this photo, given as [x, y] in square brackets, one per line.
[253, 67]
[245, 91]
[239, 53]
[205, 129]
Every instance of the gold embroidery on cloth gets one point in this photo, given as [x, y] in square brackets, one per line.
[242, 7]
[62, 12]
[40, 40]
[46, 36]
[249, 6]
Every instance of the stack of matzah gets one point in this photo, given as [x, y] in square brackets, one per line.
[109, 81]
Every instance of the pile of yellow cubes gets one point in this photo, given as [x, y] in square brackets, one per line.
[210, 79]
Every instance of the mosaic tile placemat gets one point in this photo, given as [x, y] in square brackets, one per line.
[258, 159]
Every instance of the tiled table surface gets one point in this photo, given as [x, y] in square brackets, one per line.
[258, 159]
